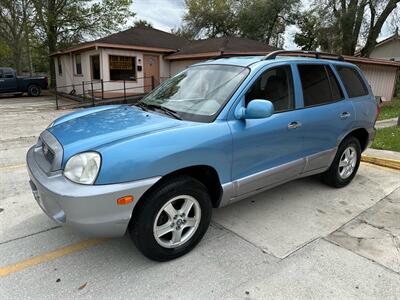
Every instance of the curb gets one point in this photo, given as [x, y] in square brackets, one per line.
[383, 162]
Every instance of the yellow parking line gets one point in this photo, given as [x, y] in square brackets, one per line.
[7, 168]
[7, 270]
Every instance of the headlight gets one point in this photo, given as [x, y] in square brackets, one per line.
[83, 167]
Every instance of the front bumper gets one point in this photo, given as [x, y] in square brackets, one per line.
[91, 209]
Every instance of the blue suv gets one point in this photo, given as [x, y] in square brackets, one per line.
[216, 133]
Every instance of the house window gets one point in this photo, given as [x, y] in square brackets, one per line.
[78, 64]
[122, 67]
[59, 66]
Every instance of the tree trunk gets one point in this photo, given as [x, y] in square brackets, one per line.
[376, 29]
[52, 39]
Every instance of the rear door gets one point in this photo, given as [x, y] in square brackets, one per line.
[326, 114]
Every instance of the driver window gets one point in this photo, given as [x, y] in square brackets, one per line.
[275, 85]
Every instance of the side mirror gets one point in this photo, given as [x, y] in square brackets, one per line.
[256, 109]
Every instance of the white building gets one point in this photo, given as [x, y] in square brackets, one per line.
[140, 58]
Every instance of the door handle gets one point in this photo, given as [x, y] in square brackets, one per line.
[345, 115]
[294, 125]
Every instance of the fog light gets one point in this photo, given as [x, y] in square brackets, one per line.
[125, 200]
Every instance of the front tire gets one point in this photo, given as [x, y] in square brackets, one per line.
[345, 165]
[171, 219]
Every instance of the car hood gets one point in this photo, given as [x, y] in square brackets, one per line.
[88, 129]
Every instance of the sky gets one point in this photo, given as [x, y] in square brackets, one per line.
[167, 14]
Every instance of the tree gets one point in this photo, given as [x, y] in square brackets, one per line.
[210, 18]
[266, 20]
[316, 32]
[376, 23]
[343, 23]
[142, 23]
[65, 22]
[262, 20]
[14, 17]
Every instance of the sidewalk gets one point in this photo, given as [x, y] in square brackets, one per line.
[386, 123]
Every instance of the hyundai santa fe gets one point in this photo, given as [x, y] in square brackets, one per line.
[218, 132]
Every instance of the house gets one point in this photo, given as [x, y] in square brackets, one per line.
[388, 48]
[136, 60]
[139, 59]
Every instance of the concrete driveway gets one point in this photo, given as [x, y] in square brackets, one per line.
[300, 240]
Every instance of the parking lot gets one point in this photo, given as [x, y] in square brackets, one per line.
[299, 240]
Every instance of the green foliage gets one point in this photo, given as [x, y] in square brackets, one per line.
[316, 32]
[142, 23]
[211, 18]
[391, 110]
[5, 55]
[32, 29]
[266, 20]
[262, 20]
[387, 139]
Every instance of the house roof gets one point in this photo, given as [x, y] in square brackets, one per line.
[220, 46]
[146, 37]
[395, 36]
[139, 38]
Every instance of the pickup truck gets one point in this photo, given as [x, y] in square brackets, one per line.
[10, 83]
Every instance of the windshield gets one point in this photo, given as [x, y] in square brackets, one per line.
[198, 93]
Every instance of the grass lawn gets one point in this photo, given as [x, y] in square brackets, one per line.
[387, 139]
[390, 111]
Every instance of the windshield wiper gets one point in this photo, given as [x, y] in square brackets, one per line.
[142, 105]
[167, 110]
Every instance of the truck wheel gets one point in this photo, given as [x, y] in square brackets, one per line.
[34, 90]
[172, 219]
[345, 165]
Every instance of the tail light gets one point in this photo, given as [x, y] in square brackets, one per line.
[46, 80]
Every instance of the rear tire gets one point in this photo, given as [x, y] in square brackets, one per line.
[171, 219]
[34, 90]
[345, 165]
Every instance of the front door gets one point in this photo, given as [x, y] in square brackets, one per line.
[268, 151]
[95, 63]
[151, 72]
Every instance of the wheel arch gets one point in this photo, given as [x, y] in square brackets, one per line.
[361, 134]
[206, 174]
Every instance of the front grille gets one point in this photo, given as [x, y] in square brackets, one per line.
[48, 153]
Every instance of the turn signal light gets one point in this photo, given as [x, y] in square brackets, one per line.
[125, 200]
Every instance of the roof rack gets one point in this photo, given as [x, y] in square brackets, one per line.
[317, 54]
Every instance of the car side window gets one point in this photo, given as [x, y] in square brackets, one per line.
[1, 73]
[275, 85]
[354, 84]
[8, 74]
[319, 85]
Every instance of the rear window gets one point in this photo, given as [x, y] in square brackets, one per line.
[354, 84]
[319, 85]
